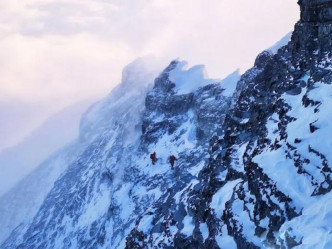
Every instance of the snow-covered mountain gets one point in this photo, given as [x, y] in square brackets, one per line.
[253, 158]
[21, 203]
[119, 133]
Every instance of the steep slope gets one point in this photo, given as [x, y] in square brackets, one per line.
[268, 180]
[95, 203]
[19, 205]
[22, 202]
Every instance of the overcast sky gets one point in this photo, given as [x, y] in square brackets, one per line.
[56, 52]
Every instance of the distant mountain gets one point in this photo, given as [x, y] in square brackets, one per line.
[57, 131]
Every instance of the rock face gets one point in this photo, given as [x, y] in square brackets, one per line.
[253, 169]
[316, 10]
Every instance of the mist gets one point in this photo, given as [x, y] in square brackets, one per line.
[57, 53]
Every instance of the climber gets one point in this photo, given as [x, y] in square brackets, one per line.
[153, 157]
[172, 159]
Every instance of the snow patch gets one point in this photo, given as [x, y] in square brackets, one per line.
[204, 230]
[188, 226]
[188, 80]
[281, 43]
[230, 82]
[225, 241]
[222, 196]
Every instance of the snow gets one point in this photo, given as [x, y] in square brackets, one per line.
[135, 188]
[185, 141]
[139, 73]
[275, 165]
[146, 223]
[244, 220]
[244, 121]
[314, 225]
[189, 80]
[230, 83]
[96, 208]
[281, 43]
[179, 195]
[204, 230]
[222, 196]
[272, 126]
[237, 156]
[122, 196]
[226, 241]
[95, 124]
[195, 170]
[32, 191]
[188, 226]
[111, 128]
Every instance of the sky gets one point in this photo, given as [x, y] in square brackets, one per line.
[54, 53]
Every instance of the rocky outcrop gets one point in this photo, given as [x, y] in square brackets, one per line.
[316, 10]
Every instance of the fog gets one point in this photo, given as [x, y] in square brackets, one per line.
[56, 53]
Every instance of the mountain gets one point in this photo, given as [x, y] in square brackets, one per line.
[267, 183]
[114, 158]
[19, 205]
[253, 158]
[56, 132]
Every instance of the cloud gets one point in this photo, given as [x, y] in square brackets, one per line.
[66, 50]
[48, 68]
